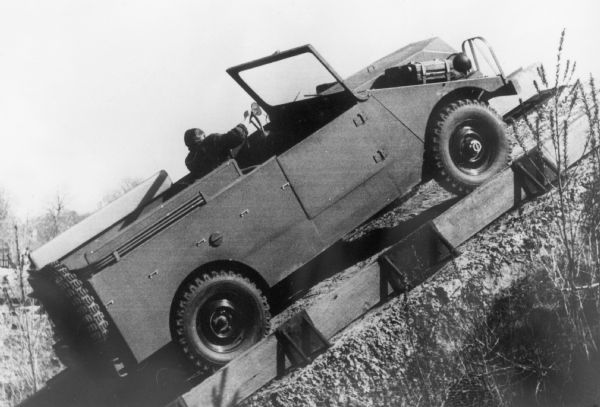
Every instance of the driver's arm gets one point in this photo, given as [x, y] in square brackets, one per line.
[233, 137]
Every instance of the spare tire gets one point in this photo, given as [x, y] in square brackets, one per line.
[73, 310]
[469, 145]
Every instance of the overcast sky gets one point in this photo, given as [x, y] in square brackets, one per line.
[92, 92]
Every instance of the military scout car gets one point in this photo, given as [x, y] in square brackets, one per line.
[191, 263]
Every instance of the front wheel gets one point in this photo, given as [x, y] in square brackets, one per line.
[469, 145]
[220, 315]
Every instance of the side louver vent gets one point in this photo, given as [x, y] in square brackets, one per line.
[152, 230]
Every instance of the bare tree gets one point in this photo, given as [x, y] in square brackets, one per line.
[56, 220]
[54, 214]
[13, 232]
[3, 205]
[5, 236]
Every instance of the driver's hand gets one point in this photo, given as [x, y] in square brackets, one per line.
[252, 122]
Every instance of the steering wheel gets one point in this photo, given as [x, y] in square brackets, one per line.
[255, 111]
[252, 117]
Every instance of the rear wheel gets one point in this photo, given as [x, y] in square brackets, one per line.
[469, 145]
[219, 316]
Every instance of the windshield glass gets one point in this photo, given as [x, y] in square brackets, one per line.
[295, 78]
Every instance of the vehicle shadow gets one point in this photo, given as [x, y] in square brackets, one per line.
[344, 254]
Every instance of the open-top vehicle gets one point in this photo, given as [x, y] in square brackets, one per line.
[192, 262]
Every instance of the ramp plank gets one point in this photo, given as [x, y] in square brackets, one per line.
[478, 209]
[256, 367]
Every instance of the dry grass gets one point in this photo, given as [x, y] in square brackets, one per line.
[26, 356]
[538, 345]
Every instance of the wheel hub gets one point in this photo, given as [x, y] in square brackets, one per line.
[468, 149]
[221, 322]
[471, 148]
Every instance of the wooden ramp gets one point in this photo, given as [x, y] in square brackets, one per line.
[400, 268]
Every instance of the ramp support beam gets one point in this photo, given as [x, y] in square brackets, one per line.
[299, 340]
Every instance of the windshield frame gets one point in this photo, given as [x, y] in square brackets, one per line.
[235, 71]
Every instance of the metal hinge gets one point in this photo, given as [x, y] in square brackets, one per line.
[360, 119]
[379, 156]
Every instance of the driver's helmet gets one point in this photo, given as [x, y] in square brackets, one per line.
[193, 137]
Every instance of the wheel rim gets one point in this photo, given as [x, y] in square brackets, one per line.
[225, 319]
[471, 147]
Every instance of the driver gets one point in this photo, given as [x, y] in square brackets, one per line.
[207, 152]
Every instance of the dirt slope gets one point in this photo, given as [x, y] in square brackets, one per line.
[420, 348]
